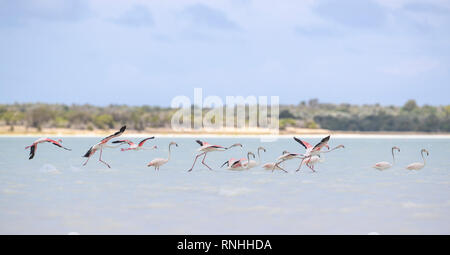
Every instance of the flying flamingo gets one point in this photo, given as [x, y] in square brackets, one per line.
[310, 150]
[310, 161]
[312, 154]
[418, 165]
[385, 165]
[102, 144]
[206, 147]
[134, 146]
[253, 163]
[33, 147]
[239, 164]
[285, 156]
[157, 162]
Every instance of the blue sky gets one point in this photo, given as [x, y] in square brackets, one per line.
[147, 52]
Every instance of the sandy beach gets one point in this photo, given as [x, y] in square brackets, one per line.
[20, 131]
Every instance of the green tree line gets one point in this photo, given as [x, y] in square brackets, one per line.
[311, 114]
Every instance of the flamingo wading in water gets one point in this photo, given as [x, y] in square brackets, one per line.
[33, 147]
[253, 163]
[103, 144]
[385, 165]
[418, 165]
[134, 146]
[157, 162]
[239, 164]
[205, 148]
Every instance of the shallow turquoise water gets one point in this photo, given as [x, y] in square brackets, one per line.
[54, 194]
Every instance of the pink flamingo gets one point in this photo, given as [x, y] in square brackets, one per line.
[102, 144]
[383, 165]
[206, 147]
[285, 156]
[239, 164]
[33, 147]
[312, 154]
[418, 165]
[134, 146]
[157, 162]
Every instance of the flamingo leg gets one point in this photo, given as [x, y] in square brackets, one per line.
[312, 168]
[279, 167]
[300, 166]
[100, 158]
[195, 160]
[275, 165]
[203, 162]
[303, 159]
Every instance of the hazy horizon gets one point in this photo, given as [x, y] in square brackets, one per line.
[168, 106]
[138, 52]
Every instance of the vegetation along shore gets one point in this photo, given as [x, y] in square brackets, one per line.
[309, 117]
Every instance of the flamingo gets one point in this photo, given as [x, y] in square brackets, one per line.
[385, 165]
[103, 144]
[157, 162]
[418, 165]
[254, 163]
[312, 154]
[310, 161]
[33, 146]
[206, 147]
[234, 164]
[285, 156]
[134, 146]
[239, 164]
[310, 150]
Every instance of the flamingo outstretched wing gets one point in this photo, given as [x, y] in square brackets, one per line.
[32, 151]
[123, 141]
[88, 153]
[322, 143]
[143, 141]
[57, 144]
[303, 143]
[118, 133]
[237, 163]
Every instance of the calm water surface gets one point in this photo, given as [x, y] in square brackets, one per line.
[54, 194]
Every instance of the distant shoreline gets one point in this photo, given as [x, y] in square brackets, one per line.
[250, 133]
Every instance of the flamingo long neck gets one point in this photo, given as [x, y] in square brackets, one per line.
[168, 156]
[259, 156]
[393, 158]
[423, 157]
[337, 147]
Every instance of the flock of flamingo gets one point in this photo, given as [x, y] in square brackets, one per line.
[309, 158]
